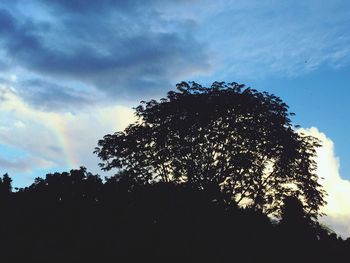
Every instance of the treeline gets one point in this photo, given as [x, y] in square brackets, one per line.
[78, 217]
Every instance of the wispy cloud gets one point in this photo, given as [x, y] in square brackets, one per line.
[23, 165]
[284, 38]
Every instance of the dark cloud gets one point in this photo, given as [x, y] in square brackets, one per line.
[4, 65]
[83, 6]
[17, 165]
[120, 47]
[50, 96]
[55, 149]
[92, 6]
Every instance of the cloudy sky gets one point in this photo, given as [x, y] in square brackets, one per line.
[71, 70]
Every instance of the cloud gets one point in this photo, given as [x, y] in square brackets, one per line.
[138, 49]
[78, 7]
[126, 47]
[54, 139]
[23, 165]
[337, 188]
[283, 38]
[50, 96]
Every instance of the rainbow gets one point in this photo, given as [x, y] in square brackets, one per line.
[59, 130]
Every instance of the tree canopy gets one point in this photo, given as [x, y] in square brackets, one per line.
[226, 138]
[5, 184]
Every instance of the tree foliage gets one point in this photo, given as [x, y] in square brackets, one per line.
[73, 186]
[228, 138]
[5, 184]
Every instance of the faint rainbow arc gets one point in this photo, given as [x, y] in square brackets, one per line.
[59, 130]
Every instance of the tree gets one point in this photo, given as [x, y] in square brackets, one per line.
[5, 184]
[225, 137]
[76, 185]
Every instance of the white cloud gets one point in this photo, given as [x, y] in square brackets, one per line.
[337, 188]
[54, 139]
[19, 124]
[13, 78]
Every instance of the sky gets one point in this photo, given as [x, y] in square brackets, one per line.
[71, 71]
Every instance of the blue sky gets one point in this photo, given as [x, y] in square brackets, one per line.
[72, 70]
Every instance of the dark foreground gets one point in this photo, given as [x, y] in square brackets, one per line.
[77, 218]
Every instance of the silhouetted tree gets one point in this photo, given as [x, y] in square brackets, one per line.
[68, 187]
[232, 140]
[295, 222]
[293, 211]
[5, 184]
